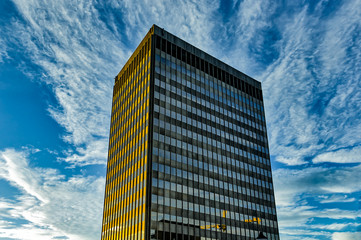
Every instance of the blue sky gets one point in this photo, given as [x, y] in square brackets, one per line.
[58, 60]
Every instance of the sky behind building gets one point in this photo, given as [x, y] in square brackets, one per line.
[58, 61]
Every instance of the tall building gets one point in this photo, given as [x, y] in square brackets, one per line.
[188, 153]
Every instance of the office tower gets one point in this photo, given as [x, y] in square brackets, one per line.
[188, 153]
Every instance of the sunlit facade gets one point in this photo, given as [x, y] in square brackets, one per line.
[188, 152]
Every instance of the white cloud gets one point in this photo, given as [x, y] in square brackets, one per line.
[312, 93]
[50, 205]
[298, 216]
[192, 21]
[242, 30]
[352, 155]
[17, 173]
[335, 198]
[346, 236]
[290, 184]
[290, 161]
[93, 153]
[79, 57]
[288, 92]
[302, 234]
[3, 51]
[301, 193]
[340, 60]
[312, 109]
[335, 226]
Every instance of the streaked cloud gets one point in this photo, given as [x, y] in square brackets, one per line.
[303, 98]
[51, 205]
[300, 199]
[317, 181]
[312, 106]
[352, 155]
[335, 226]
[3, 51]
[191, 20]
[291, 161]
[79, 57]
[336, 198]
[346, 236]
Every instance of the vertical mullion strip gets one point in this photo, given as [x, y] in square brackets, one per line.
[105, 205]
[149, 103]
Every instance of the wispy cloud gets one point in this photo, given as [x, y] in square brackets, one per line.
[312, 90]
[189, 20]
[312, 98]
[352, 155]
[300, 199]
[19, 175]
[79, 57]
[295, 161]
[3, 51]
[242, 34]
[335, 226]
[336, 198]
[346, 236]
[315, 181]
[51, 205]
[300, 233]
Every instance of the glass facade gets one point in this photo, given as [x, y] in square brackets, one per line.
[208, 175]
[125, 191]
